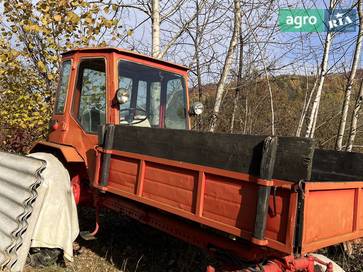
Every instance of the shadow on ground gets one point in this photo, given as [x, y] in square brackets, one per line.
[130, 246]
[125, 245]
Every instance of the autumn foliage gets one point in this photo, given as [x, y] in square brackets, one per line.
[32, 37]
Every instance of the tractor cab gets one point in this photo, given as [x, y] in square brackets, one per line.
[112, 86]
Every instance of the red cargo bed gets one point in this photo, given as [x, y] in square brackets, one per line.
[214, 180]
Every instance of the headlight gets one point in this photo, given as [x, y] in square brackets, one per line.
[122, 96]
[196, 108]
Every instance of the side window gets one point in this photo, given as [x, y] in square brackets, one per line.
[90, 101]
[175, 110]
[155, 93]
[63, 87]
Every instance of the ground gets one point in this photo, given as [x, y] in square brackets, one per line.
[128, 246]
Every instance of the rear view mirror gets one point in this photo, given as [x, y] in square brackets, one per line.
[196, 108]
[122, 96]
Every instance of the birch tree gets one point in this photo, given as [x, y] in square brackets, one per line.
[157, 18]
[238, 83]
[308, 93]
[227, 65]
[355, 116]
[348, 88]
[322, 74]
[305, 108]
[155, 25]
[158, 14]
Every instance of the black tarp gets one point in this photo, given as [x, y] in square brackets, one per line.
[234, 152]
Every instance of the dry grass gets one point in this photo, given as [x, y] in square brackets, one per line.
[128, 246]
[352, 263]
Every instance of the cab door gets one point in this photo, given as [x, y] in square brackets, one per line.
[89, 103]
[58, 123]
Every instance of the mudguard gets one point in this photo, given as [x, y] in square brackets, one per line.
[69, 153]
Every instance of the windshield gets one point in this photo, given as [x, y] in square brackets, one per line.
[156, 97]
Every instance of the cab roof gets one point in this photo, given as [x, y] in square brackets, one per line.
[124, 52]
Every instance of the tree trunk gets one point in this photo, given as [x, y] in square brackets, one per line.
[271, 99]
[246, 116]
[155, 24]
[239, 82]
[306, 105]
[355, 116]
[197, 59]
[348, 88]
[227, 65]
[323, 71]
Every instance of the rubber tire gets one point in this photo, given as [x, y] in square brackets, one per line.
[44, 257]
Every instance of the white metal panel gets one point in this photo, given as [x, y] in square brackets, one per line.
[20, 181]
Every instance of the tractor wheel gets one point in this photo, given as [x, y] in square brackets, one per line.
[43, 257]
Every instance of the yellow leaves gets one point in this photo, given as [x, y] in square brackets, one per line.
[106, 10]
[89, 20]
[63, 2]
[114, 7]
[72, 17]
[22, 103]
[41, 66]
[130, 32]
[103, 22]
[53, 57]
[51, 26]
[44, 7]
[30, 26]
[45, 19]
[24, 110]
[22, 125]
[57, 18]
[108, 23]
[26, 28]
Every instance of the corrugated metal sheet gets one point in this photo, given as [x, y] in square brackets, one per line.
[20, 182]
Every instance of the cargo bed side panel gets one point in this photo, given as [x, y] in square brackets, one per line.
[332, 213]
[223, 200]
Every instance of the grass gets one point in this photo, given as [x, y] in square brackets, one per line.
[125, 245]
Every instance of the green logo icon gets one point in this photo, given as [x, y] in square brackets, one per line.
[302, 20]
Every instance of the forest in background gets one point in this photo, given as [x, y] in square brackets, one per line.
[289, 94]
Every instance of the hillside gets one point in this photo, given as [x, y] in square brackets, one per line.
[289, 94]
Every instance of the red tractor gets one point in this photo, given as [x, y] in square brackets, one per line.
[121, 126]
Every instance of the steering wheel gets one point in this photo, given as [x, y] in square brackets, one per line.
[132, 113]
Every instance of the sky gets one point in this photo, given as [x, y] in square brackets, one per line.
[294, 56]
[293, 52]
